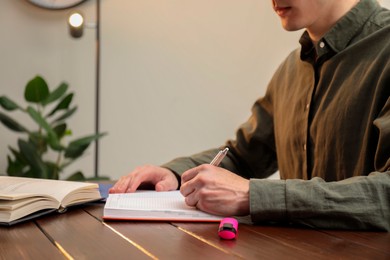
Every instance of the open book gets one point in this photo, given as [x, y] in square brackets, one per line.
[153, 205]
[27, 198]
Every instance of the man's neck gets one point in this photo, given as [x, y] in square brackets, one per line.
[335, 12]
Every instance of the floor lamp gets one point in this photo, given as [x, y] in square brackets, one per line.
[76, 27]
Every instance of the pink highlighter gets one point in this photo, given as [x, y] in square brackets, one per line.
[228, 228]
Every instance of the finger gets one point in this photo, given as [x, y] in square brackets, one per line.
[187, 188]
[192, 199]
[135, 181]
[164, 185]
[190, 174]
[133, 185]
[160, 186]
[148, 177]
[126, 184]
[121, 185]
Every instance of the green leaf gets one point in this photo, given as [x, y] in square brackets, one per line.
[56, 94]
[77, 176]
[31, 174]
[37, 166]
[15, 167]
[68, 132]
[77, 147]
[54, 142]
[38, 118]
[39, 140]
[53, 170]
[60, 130]
[36, 90]
[64, 104]
[18, 156]
[12, 124]
[8, 104]
[52, 136]
[67, 114]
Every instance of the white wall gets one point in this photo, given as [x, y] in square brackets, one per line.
[180, 76]
[177, 76]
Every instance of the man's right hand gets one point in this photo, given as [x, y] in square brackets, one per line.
[162, 179]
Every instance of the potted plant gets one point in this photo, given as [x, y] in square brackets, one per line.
[49, 110]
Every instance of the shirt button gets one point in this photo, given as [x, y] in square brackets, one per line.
[304, 147]
[322, 45]
[307, 106]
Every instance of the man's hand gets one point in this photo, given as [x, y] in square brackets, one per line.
[215, 190]
[161, 178]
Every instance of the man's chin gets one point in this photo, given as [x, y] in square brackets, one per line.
[291, 27]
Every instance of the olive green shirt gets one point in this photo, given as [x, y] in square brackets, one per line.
[324, 123]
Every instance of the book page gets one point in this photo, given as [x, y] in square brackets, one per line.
[149, 200]
[12, 188]
[152, 205]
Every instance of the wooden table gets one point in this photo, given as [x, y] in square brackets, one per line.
[80, 233]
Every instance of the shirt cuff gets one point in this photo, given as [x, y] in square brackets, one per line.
[267, 200]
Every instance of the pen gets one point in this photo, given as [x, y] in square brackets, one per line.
[219, 157]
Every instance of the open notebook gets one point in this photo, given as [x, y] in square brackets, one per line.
[153, 206]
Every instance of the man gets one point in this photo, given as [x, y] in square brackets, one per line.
[324, 123]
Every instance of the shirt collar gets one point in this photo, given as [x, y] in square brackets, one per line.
[341, 34]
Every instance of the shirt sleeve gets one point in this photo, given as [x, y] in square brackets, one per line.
[361, 202]
[355, 203]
